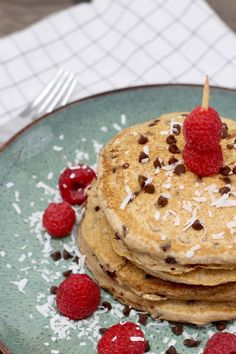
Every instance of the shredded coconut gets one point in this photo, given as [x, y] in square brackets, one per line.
[123, 119]
[21, 284]
[57, 148]
[191, 252]
[218, 235]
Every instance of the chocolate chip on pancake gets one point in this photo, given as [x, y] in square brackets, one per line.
[225, 170]
[112, 275]
[170, 260]
[113, 170]
[149, 188]
[142, 180]
[179, 170]
[162, 201]
[157, 163]
[234, 170]
[143, 157]
[97, 208]
[229, 146]
[226, 179]
[117, 236]
[125, 165]
[171, 139]
[173, 148]
[172, 160]
[224, 130]
[224, 190]
[142, 140]
[197, 225]
[191, 343]
[176, 129]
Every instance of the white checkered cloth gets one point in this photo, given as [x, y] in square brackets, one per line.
[112, 44]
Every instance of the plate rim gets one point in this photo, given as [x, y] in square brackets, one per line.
[6, 144]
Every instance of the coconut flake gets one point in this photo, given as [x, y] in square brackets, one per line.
[146, 149]
[187, 205]
[211, 188]
[10, 185]
[21, 284]
[123, 119]
[104, 129]
[224, 202]
[157, 170]
[192, 251]
[126, 200]
[137, 339]
[190, 222]
[116, 126]
[145, 160]
[57, 148]
[218, 235]
[17, 208]
[50, 175]
[164, 132]
[200, 199]
[157, 215]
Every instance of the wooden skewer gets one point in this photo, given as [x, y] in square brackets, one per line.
[205, 95]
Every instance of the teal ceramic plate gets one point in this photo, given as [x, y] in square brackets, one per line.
[29, 168]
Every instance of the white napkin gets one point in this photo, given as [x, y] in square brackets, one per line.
[112, 44]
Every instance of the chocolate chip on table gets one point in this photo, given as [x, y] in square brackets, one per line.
[142, 180]
[171, 350]
[177, 330]
[170, 260]
[176, 129]
[172, 160]
[102, 330]
[147, 348]
[142, 156]
[157, 163]
[224, 190]
[107, 305]
[234, 170]
[125, 165]
[76, 259]
[126, 311]
[66, 273]
[171, 139]
[97, 208]
[229, 146]
[197, 225]
[142, 140]
[179, 170]
[149, 188]
[162, 201]
[191, 343]
[142, 319]
[224, 130]
[66, 254]
[225, 170]
[56, 255]
[53, 290]
[173, 148]
[221, 325]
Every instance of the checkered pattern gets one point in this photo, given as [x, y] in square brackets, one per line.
[112, 44]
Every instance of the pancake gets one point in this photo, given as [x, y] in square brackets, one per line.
[126, 283]
[151, 232]
[95, 233]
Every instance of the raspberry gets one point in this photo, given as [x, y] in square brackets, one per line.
[203, 164]
[78, 296]
[59, 219]
[221, 343]
[73, 181]
[203, 129]
[125, 338]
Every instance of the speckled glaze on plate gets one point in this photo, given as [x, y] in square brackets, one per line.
[36, 152]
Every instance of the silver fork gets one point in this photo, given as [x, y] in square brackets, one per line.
[55, 94]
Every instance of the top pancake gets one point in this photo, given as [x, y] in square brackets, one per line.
[163, 232]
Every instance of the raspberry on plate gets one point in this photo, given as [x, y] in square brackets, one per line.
[203, 164]
[59, 219]
[78, 296]
[125, 338]
[73, 181]
[221, 343]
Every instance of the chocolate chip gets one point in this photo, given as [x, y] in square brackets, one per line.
[126, 311]
[142, 180]
[172, 160]
[97, 208]
[56, 255]
[142, 319]
[177, 330]
[142, 156]
[154, 122]
[191, 343]
[173, 148]
[107, 305]
[171, 139]
[230, 146]
[112, 275]
[149, 188]
[113, 169]
[149, 276]
[157, 163]
[76, 259]
[162, 201]
[224, 190]
[165, 247]
[117, 236]
[142, 140]
[66, 254]
[170, 260]
[102, 330]
[227, 180]
[147, 348]
[221, 325]
[224, 130]
[53, 290]
[234, 170]
[67, 273]
[179, 170]
[176, 129]
[171, 350]
[125, 165]
[225, 170]
[197, 225]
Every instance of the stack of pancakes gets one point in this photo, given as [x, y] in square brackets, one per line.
[155, 235]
